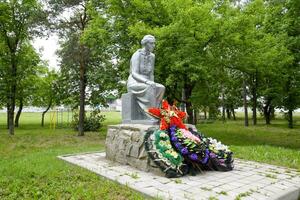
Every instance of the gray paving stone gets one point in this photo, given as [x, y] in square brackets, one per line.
[248, 178]
[248, 198]
[177, 195]
[193, 183]
[258, 196]
[164, 180]
[224, 197]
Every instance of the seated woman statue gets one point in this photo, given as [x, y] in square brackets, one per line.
[141, 79]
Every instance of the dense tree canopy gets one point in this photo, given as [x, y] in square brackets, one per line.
[212, 56]
[206, 46]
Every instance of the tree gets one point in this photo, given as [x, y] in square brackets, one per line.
[86, 68]
[282, 22]
[46, 94]
[19, 20]
[291, 99]
[4, 68]
[206, 98]
[74, 54]
[129, 21]
[182, 47]
[248, 48]
[27, 77]
[199, 42]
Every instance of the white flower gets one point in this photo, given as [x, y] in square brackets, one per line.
[218, 146]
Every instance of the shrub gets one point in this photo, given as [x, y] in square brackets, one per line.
[92, 122]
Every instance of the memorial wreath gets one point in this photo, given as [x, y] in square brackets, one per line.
[177, 150]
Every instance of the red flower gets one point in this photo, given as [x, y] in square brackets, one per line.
[163, 124]
[165, 105]
[169, 115]
[155, 112]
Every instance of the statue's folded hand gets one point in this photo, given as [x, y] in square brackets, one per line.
[151, 83]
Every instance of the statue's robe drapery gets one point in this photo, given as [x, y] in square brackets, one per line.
[142, 70]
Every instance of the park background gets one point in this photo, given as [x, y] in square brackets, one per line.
[214, 57]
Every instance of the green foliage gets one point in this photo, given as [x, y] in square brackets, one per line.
[92, 122]
[205, 49]
[29, 73]
[85, 46]
[29, 70]
[87, 73]
[19, 22]
[47, 90]
[164, 146]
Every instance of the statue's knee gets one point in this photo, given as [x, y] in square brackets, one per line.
[161, 86]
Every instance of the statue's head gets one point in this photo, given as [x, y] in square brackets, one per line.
[148, 42]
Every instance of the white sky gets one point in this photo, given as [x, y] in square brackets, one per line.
[47, 48]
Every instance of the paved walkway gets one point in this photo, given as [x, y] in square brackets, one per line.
[249, 180]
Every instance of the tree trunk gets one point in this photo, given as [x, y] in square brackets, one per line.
[267, 116]
[82, 97]
[205, 114]
[268, 119]
[195, 116]
[245, 102]
[43, 114]
[273, 113]
[189, 111]
[228, 113]
[254, 109]
[290, 118]
[254, 99]
[212, 112]
[233, 114]
[268, 111]
[188, 104]
[183, 106]
[12, 95]
[19, 113]
[7, 115]
[223, 105]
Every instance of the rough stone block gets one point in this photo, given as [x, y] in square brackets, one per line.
[125, 145]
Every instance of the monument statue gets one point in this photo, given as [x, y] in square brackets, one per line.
[142, 90]
[163, 144]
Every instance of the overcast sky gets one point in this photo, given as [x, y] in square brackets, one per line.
[47, 48]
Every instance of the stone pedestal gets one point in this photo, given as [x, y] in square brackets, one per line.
[125, 144]
[132, 113]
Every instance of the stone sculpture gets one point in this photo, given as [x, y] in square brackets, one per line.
[143, 92]
[171, 147]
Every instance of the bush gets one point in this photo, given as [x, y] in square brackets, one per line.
[92, 122]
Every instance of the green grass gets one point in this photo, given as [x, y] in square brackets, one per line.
[29, 168]
[274, 144]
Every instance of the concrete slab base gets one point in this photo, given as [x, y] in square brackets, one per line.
[249, 180]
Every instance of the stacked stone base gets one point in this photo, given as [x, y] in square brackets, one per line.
[125, 145]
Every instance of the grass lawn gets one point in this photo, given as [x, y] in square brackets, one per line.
[29, 168]
[274, 144]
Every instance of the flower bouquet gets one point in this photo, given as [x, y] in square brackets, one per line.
[177, 150]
